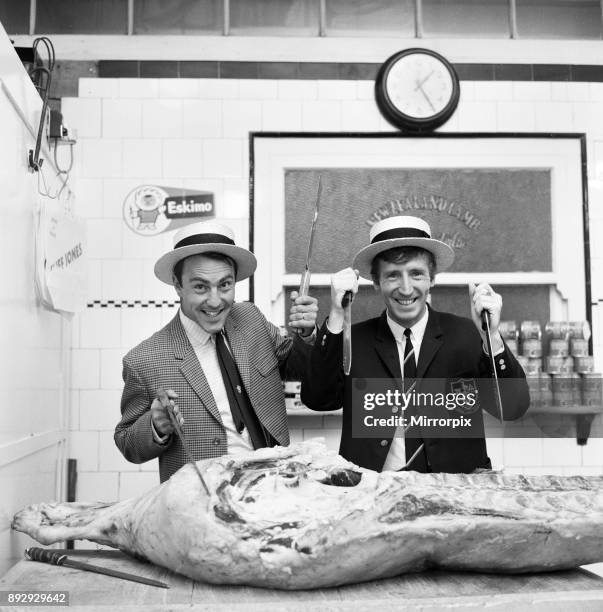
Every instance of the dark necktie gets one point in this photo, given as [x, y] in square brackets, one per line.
[241, 409]
[410, 365]
[413, 441]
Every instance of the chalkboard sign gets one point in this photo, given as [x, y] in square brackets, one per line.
[495, 219]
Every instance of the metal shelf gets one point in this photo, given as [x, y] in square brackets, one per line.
[571, 410]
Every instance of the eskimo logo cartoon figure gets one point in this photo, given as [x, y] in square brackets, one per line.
[144, 210]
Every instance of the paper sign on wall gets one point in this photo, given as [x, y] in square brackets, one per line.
[61, 258]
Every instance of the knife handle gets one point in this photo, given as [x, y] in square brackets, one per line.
[347, 298]
[45, 555]
[485, 315]
[174, 420]
[304, 286]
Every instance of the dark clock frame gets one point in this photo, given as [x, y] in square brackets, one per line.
[402, 120]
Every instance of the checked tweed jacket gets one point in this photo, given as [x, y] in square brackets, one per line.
[167, 360]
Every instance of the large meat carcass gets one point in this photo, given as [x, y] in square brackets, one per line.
[302, 517]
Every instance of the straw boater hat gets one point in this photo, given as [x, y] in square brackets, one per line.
[398, 232]
[205, 237]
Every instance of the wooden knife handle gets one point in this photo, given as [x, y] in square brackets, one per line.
[347, 298]
[45, 555]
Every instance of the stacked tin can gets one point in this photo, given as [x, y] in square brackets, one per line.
[558, 360]
[539, 383]
[509, 332]
[570, 365]
[592, 389]
[558, 365]
[530, 336]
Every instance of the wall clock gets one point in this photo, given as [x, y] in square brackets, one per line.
[417, 90]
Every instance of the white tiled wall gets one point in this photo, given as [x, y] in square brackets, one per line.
[194, 133]
[34, 341]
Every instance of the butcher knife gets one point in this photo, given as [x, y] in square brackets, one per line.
[304, 285]
[414, 456]
[187, 450]
[55, 558]
[346, 302]
[486, 327]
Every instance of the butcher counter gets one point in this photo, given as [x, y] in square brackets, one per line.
[580, 589]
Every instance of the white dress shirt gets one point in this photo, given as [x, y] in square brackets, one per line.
[204, 345]
[396, 458]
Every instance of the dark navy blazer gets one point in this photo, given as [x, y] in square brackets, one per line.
[451, 349]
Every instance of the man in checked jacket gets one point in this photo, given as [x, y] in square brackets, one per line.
[217, 365]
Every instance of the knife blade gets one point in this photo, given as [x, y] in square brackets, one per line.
[304, 285]
[485, 315]
[414, 456]
[346, 302]
[185, 446]
[44, 555]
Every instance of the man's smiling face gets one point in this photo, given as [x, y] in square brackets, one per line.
[207, 291]
[405, 288]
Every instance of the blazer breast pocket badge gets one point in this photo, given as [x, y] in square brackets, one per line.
[466, 395]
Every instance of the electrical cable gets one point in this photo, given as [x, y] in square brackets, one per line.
[42, 178]
[64, 182]
[56, 163]
[34, 156]
[43, 87]
[39, 72]
[49, 48]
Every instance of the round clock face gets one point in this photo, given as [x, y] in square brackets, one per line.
[417, 89]
[419, 85]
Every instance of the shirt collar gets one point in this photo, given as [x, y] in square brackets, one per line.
[417, 330]
[196, 334]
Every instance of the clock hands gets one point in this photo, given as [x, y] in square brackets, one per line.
[418, 84]
[420, 88]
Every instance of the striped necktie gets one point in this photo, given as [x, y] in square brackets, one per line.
[413, 439]
[410, 365]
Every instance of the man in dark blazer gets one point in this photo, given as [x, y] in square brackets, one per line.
[217, 365]
[402, 260]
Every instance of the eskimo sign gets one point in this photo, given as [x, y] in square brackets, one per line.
[190, 206]
[68, 258]
[152, 209]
